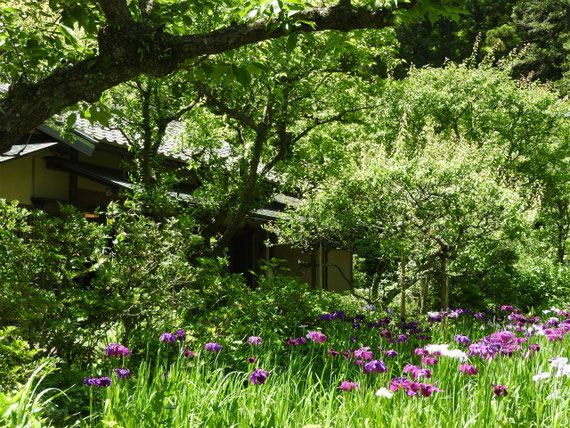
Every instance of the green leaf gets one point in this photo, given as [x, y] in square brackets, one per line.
[292, 42]
[71, 119]
[242, 75]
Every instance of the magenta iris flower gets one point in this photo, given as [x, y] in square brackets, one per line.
[168, 337]
[259, 376]
[317, 337]
[363, 353]
[468, 369]
[212, 347]
[417, 371]
[117, 351]
[333, 353]
[251, 360]
[349, 386]
[429, 361]
[254, 340]
[427, 390]
[188, 353]
[122, 373]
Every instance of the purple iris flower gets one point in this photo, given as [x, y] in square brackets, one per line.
[212, 347]
[461, 338]
[168, 337]
[427, 390]
[259, 376]
[90, 381]
[326, 317]
[180, 335]
[352, 339]
[104, 382]
[391, 353]
[338, 314]
[403, 338]
[254, 340]
[499, 390]
[377, 366]
[117, 351]
[188, 353]
[333, 353]
[122, 373]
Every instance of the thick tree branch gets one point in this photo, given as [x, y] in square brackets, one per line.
[138, 48]
[116, 12]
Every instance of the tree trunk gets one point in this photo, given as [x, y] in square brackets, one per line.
[443, 283]
[423, 295]
[403, 286]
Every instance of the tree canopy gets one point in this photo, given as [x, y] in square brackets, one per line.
[58, 53]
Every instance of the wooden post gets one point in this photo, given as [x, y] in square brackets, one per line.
[403, 286]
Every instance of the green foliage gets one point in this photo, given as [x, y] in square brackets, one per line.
[18, 360]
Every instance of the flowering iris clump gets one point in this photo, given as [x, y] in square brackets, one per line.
[317, 337]
[117, 351]
[468, 369]
[168, 337]
[254, 340]
[259, 376]
[122, 373]
[499, 390]
[349, 386]
[212, 347]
